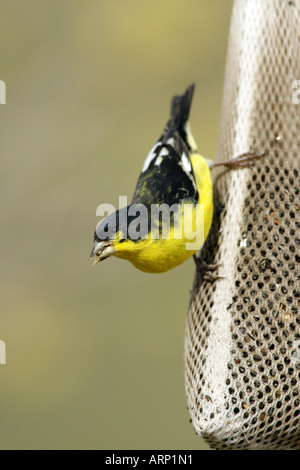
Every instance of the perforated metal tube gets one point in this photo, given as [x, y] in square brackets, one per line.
[242, 348]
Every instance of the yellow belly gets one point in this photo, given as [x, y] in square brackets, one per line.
[205, 189]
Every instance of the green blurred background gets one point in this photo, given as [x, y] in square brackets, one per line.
[94, 355]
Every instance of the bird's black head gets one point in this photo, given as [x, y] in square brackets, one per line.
[129, 223]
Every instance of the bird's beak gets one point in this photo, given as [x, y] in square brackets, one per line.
[102, 250]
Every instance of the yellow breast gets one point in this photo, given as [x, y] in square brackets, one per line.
[190, 230]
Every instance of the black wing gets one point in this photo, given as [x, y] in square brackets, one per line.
[167, 175]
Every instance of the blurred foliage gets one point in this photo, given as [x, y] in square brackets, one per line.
[94, 355]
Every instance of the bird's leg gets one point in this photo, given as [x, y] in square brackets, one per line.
[207, 269]
[245, 160]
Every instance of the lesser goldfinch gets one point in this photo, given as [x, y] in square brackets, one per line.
[174, 176]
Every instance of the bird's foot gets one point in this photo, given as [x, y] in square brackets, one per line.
[245, 160]
[208, 270]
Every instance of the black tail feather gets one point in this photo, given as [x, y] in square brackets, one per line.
[180, 109]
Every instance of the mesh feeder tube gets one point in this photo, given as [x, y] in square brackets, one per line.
[242, 342]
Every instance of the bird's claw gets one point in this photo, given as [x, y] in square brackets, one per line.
[245, 160]
[207, 269]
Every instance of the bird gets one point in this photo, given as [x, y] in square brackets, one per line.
[171, 211]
